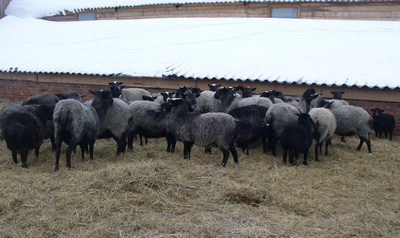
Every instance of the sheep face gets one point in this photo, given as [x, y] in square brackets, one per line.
[116, 89]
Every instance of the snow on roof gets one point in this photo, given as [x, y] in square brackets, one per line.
[43, 8]
[322, 52]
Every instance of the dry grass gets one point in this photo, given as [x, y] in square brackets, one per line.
[152, 193]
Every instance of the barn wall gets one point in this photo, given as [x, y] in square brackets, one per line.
[18, 86]
[335, 10]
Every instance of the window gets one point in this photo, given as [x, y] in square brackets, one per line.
[86, 16]
[284, 12]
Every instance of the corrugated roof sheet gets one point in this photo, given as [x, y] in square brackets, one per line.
[322, 52]
[45, 8]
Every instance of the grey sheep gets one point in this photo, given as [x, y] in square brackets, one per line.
[150, 120]
[320, 101]
[205, 130]
[353, 120]
[24, 129]
[277, 117]
[127, 94]
[78, 124]
[325, 126]
[229, 100]
[116, 123]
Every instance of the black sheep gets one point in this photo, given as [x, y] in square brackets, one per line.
[24, 130]
[383, 123]
[254, 116]
[297, 138]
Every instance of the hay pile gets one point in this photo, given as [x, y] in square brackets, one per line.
[151, 193]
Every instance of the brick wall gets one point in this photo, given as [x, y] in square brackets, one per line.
[18, 90]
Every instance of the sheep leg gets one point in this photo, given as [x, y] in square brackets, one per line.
[273, 145]
[234, 153]
[327, 143]
[71, 147]
[171, 142]
[121, 145]
[91, 146]
[390, 135]
[367, 141]
[285, 154]
[305, 162]
[14, 156]
[292, 159]
[37, 151]
[317, 146]
[208, 150]
[225, 158]
[265, 144]
[83, 149]
[187, 146]
[58, 152]
[130, 140]
[141, 139]
[24, 158]
[53, 143]
[343, 139]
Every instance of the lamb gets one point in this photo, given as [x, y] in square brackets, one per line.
[353, 120]
[205, 130]
[277, 117]
[24, 129]
[325, 126]
[150, 120]
[383, 123]
[297, 138]
[254, 117]
[78, 124]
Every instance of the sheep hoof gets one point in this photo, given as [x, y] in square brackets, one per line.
[25, 166]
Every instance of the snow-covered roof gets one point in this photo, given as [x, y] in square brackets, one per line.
[44, 8]
[322, 52]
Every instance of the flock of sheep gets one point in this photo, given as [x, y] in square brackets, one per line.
[223, 117]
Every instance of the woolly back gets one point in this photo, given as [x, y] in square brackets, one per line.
[22, 130]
